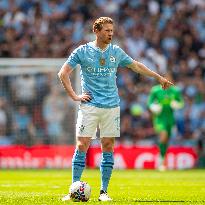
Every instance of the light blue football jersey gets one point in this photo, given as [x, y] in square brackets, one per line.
[98, 72]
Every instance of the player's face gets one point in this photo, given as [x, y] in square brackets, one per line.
[106, 33]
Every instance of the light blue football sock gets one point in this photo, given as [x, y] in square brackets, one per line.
[78, 165]
[106, 168]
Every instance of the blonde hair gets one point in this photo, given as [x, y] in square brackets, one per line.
[98, 24]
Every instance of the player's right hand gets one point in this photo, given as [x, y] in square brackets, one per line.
[165, 83]
[85, 97]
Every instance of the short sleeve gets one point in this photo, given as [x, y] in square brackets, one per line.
[178, 94]
[125, 59]
[74, 58]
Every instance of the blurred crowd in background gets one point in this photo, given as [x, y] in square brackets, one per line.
[165, 35]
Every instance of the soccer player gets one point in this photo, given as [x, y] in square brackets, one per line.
[162, 104]
[99, 61]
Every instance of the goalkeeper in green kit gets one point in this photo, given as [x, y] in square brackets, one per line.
[162, 103]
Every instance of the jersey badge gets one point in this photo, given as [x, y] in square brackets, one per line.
[112, 59]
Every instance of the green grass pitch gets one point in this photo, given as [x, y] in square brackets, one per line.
[128, 187]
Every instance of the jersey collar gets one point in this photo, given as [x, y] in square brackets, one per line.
[92, 44]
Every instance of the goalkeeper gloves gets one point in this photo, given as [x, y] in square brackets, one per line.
[176, 105]
[156, 108]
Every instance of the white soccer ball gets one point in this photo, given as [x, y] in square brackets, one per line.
[80, 191]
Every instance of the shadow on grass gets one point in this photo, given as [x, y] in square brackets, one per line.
[165, 201]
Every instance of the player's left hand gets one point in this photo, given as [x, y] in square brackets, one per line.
[165, 83]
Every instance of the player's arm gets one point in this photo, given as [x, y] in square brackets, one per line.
[178, 102]
[64, 76]
[142, 69]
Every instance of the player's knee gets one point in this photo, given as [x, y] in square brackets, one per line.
[82, 145]
[108, 145]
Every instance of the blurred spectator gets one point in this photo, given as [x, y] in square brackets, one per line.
[126, 129]
[24, 90]
[4, 121]
[23, 127]
[54, 113]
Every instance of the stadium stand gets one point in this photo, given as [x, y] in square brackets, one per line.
[165, 35]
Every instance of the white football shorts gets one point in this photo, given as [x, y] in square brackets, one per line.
[90, 118]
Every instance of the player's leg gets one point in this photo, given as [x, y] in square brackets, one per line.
[160, 128]
[163, 145]
[85, 130]
[164, 138]
[109, 129]
[163, 142]
[107, 161]
[106, 166]
[78, 161]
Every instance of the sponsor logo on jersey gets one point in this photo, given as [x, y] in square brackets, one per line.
[101, 71]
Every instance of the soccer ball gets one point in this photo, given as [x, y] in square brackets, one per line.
[80, 191]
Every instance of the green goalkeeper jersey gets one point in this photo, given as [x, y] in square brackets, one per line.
[164, 99]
